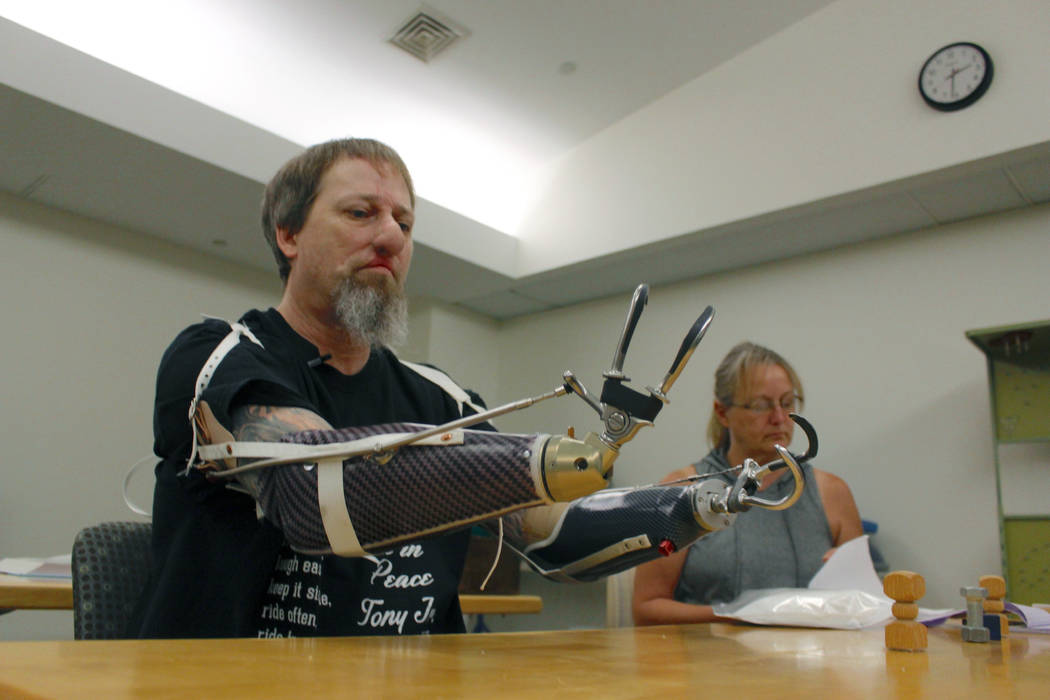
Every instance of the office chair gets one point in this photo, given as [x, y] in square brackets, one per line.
[111, 563]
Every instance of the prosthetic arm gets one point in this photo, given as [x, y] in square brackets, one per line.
[617, 529]
[362, 490]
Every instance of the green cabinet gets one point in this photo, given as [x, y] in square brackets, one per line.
[1018, 358]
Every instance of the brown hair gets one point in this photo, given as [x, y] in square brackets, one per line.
[292, 191]
[729, 377]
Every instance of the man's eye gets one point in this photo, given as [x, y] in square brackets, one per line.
[406, 227]
[358, 213]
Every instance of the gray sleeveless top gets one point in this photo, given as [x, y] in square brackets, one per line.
[762, 549]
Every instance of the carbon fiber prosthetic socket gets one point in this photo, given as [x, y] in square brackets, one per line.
[617, 529]
[420, 491]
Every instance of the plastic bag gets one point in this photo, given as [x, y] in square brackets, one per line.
[807, 607]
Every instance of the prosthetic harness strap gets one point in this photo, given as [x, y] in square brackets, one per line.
[334, 514]
[284, 453]
[436, 376]
[237, 330]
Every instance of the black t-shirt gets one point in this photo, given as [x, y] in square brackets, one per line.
[218, 570]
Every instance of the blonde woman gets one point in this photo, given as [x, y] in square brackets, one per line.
[755, 390]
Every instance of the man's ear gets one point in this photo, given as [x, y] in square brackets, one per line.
[287, 243]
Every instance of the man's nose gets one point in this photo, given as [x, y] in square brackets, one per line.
[390, 239]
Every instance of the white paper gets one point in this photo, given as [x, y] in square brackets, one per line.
[850, 567]
[845, 593]
[51, 567]
[1035, 619]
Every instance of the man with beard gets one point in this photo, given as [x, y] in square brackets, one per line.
[339, 220]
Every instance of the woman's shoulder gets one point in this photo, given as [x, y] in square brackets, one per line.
[830, 483]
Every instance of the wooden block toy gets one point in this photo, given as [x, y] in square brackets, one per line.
[995, 585]
[907, 635]
[904, 633]
[904, 586]
[994, 627]
[994, 605]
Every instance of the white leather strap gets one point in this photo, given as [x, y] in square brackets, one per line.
[284, 452]
[332, 504]
[207, 371]
[217, 355]
[445, 382]
[260, 450]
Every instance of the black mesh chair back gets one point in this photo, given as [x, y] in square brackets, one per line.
[110, 566]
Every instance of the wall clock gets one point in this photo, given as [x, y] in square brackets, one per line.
[955, 76]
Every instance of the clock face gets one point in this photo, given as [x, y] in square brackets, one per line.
[955, 76]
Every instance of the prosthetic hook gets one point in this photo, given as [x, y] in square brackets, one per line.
[625, 411]
[617, 529]
[741, 496]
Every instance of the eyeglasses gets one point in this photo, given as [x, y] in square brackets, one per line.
[788, 402]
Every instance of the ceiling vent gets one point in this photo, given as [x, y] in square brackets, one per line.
[426, 34]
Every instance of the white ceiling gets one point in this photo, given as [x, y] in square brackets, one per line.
[498, 97]
[497, 100]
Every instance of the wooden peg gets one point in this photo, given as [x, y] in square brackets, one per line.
[904, 586]
[994, 605]
[905, 611]
[904, 633]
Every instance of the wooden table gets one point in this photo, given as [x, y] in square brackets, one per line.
[24, 593]
[484, 604]
[656, 662]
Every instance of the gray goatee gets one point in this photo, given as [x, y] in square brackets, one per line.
[378, 316]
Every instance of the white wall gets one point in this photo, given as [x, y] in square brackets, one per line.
[462, 343]
[897, 393]
[828, 106]
[88, 310]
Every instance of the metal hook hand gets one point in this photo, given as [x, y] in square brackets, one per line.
[811, 449]
[685, 351]
[741, 495]
[623, 410]
[634, 312]
[787, 501]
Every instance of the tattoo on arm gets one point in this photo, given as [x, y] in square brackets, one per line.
[268, 424]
